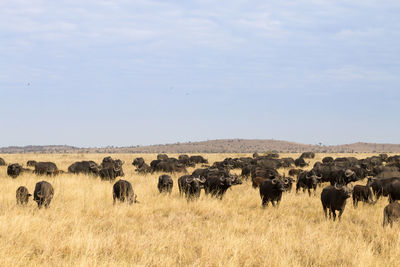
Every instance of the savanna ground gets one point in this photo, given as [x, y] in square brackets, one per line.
[82, 227]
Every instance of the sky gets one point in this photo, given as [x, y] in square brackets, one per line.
[121, 73]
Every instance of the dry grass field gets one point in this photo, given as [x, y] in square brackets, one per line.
[83, 228]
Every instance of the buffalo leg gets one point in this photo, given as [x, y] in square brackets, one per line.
[334, 215]
[340, 213]
[264, 202]
[355, 202]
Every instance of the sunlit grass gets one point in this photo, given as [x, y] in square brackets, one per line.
[82, 227]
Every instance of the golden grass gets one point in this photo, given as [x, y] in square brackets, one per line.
[82, 227]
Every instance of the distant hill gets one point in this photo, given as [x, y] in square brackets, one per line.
[215, 146]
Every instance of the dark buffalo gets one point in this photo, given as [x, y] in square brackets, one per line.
[328, 160]
[382, 187]
[361, 193]
[85, 167]
[109, 174]
[190, 186]
[138, 162]
[141, 166]
[287, 162]
[111, 169]
[123, 191]
[45, 168]
[185, 161]
[14, 170]
[165, 184]
[2, 162]
[43, 194]
[217, 186]
[342, 177]
[334, 198]
[22, 195]
[307, 180]
[271, 191]
[246, 171]
[300, 162]
[31, 163]
[198, 159]
[162, 156]
[167, 166]
[391, 213]
[307, 155]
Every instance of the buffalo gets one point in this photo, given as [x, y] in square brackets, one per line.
[141, 166]
[47, 168]
[2, 162]
[85, 167]
[162, 156]
[31, 163]
[327, 160]
[123, 191]
[14, 170]
[307, 180]
[170, 165]
[22, 195]
[382, 187]
[138, 162]
[334, 198]
[390, 213]
[218, 185]
[271, 191]
[111, 169]
[198, 159]
[361, 193]
[307, 155]
[300, 162]
[165, 183]
[190, 186]
[43, 194]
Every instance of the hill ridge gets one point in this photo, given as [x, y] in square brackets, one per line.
[213, 146]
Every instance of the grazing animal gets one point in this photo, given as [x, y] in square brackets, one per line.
[198, 159]
[31, 163]
[123, 191]
[391, 213]
[48, 168]
[271, 191]
[138, 162]
[334, 198]
[361, 193]
[165, 184]
[217, 186]
[85, 167]
[22, 195]
[190, 186]
[162, 157]
[43, 194]
[307, 180]
[2, 162]
[382, 187]
[307, 155]
[300, 162]
[328, 160]
[14, 170]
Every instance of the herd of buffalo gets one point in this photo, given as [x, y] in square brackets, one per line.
[382, 175]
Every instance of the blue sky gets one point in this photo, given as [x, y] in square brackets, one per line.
[98, 73]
